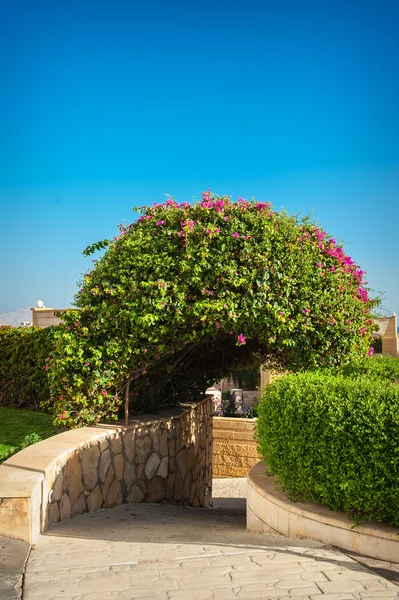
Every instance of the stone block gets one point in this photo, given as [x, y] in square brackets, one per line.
[163, 444]
[95, 499]
[105, 462]
[108, 480]
[79, 506]
[172, 447]
[152, 465]
[179, 487]
[116, 444]
[65, 511]
[89, 460]
[135, 495]
[170, 483]
[163, 467]
[129, 474]
[155, 490]
[57, 488]
[119, 465]
[181, 461]
[143, 448]
[130, 442]
[187, 486]
[114, 496]
[73, 479]
[53, 513]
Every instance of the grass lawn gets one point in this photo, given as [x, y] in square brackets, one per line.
[16, 423]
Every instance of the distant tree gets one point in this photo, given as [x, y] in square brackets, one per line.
[188, 292]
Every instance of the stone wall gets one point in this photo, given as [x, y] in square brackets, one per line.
[234, 447]
[165, 459]
[45, 317]
[389, 334]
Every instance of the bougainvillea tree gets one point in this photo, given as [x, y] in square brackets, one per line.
[187, 292]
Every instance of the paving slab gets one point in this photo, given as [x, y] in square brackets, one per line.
[13, 555]
[180, 553]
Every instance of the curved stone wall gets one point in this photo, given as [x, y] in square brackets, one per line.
[270, 511]
[165, 459]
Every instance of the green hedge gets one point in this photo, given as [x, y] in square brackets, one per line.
[23, 376]
[334, 439]
[386, 367]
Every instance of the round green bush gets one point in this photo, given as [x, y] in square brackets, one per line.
[191, 292]
[335, 440]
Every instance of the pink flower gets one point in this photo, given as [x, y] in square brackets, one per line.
[235, 234]
[87, 364]
[63, 415]
[218, 325]
[47, 367]
[370, 352]
[241, 339]
[104, 392]
[226, 218]
[159, 223]
[332, 269]
[306, 310]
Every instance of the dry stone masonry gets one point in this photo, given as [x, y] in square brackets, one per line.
[166, 459]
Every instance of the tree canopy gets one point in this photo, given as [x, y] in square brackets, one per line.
[189, 291]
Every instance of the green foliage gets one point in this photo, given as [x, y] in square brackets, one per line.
[334, 439]
[377, 343]
[9, 451]
[23, 377]
[16, 426]
[30, 439]
[190, 293]
[385, 367]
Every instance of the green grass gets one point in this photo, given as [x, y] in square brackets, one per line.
[16, 423]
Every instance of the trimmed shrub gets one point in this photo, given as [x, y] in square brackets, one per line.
[23, 376]
[385, 367]
[335, 440]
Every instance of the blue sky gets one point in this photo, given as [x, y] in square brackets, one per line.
[108, 105]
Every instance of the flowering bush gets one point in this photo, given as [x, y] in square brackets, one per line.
[188, 293]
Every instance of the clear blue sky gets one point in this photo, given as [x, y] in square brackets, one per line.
[109, 104]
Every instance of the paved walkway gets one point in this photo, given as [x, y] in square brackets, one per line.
[175, 553]
[13, 555]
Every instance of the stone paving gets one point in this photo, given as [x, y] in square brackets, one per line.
[13, 555]
[174, 553]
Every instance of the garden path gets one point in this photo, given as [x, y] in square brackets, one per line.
[160, 552]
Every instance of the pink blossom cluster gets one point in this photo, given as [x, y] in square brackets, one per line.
[209, 202]
[188, 223]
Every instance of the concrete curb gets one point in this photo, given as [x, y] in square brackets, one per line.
[269, 510]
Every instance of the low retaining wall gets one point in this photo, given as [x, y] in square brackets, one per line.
[234, 447]
[269, 510]
[165, 459]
